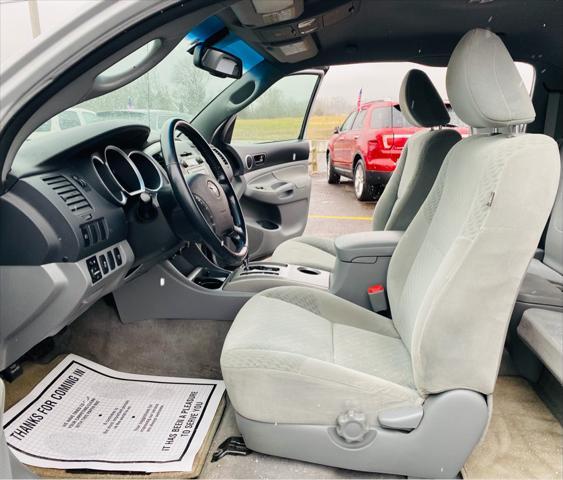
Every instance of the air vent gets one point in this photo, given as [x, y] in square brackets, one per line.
[94, 232]
[221, 156]
[74, 198]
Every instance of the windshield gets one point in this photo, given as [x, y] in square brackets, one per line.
[174, 88]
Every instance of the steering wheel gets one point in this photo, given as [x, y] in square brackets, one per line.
[208, 201]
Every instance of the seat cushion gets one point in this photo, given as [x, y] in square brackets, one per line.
[299, 355]
[537, 267]
[542, 330]
[539, 291]
[312, 252]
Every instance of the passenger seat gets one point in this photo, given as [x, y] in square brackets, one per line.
[551, 267]
[542, 331]
[543, 284]
[539, 307]
[410, 183]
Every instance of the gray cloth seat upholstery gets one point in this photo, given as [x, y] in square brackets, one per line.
[542, 331]
[541, 269]
[550, 268]
[410, 183]
[301, 362]
[298, 358]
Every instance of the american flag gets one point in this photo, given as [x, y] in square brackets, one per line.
[359, 99]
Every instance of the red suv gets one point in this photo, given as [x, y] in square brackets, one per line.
[368, 144]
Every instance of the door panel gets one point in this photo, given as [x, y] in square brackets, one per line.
[339, 145]
[348, 149]
[341, 148]
[270, 154]
[275, 193]
[273, 182]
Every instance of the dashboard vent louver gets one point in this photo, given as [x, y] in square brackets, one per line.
[221, 156]
[65, 189]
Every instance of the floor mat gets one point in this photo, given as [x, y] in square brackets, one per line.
[524, 439]
[101, 422]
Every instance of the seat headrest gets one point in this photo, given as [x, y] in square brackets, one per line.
[420, 102]
[483, 84]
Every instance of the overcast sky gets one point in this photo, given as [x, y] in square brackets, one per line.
[383, 80]
[377, 81]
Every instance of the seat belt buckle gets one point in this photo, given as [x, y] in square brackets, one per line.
[377, 298]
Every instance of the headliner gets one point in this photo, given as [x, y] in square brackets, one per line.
[426, 31]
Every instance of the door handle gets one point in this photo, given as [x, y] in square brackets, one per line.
[259, 158]
[356, 137]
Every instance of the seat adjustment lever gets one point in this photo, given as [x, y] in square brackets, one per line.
[402, 418]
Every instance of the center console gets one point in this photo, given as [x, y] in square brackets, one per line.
[362, 260]
[258, 276]
[210, 293]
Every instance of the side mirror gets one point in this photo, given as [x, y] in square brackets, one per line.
[336, 130]
[217, 62]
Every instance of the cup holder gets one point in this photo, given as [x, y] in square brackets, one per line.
[308, 271]
[209, 283]
[263, 268]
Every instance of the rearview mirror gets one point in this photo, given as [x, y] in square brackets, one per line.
[336, 130]
[217, 62]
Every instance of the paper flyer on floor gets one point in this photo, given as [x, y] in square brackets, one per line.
[85, 416]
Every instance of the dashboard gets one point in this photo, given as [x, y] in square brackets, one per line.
[86, 210]
[73, 194]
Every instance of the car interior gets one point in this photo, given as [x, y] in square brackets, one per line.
[179, 252]
[410, 183]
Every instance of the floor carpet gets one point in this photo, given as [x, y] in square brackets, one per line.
[524, 439]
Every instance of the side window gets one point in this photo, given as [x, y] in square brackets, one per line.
[359, 122]
[380, 118]
[68, 119]
[399, 120]
[278, 114]
[347, 125]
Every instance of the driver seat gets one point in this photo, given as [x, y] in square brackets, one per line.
[414, 175]
[316, 378]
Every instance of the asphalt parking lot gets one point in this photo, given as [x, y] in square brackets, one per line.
[334, 209]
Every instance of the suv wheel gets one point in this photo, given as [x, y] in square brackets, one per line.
[361, 187]
[332, 176]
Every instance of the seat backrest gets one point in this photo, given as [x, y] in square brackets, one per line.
[553, 256]
[422, 155]
[454, 276]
